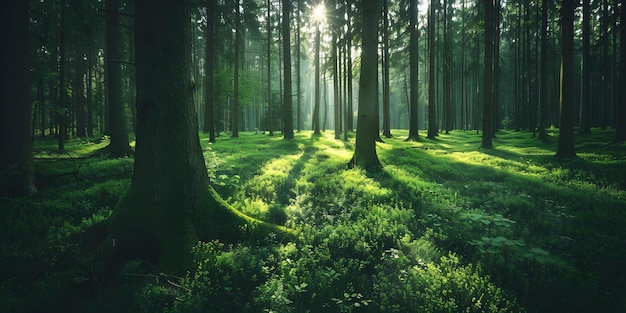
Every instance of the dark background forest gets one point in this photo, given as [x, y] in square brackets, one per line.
[307, 156]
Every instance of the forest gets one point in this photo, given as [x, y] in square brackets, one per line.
[313, 156]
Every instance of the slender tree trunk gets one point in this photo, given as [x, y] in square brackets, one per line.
[565, 148]
[543, 76]
[413, 71]
[209, 72]
[488, 81]
[78, 93]
[270, 112]
[432, 113]
[62, 106]
[385, 59]
[117, 116]
[620, 123]
[298, 76]
[236, 74]
[90, 77]
[367, 123]
[335, 60]
[350, 109]
[16, 159]
[316, 107]
[287, 93]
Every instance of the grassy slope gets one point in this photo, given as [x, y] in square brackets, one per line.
[550, 232]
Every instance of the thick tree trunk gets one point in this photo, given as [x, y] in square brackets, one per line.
[413, 71]
[287, 93]
[117, 115]
[16, 159]
[367, 123]
[169, 205]
[565, 148]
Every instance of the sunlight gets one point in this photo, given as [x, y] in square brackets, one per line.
[319, 13]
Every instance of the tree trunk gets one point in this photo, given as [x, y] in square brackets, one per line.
[169, 205]
[78, 94]
[620, 123]
[235, 126]
[16, 159]
[316, 107]
[432, 113]
[350, 110]
[209, 72]
[287, 93]
[270, 113]
[298, 76]
[543, 76]
[585, 105]
[565, 148]
[413, 71]
[385, 59]
[488, 76]
[367, 124]
[62, 106]
[117, 116]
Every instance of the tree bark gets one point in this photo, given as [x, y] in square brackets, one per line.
[488, 76]
[543, 76]
[287, 90]
[209, 72]
[16, 159]
[117, 116]
[565, 147]
[385, 59]
[585, 105]
[620, 123]
[235, 113]
[413, 71]
[316, 107]
[367, 124]
[432, 113]
[169, 205]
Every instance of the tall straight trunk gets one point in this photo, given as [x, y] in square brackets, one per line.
[270, 113]
[316, 107]
[117, 116]
[349, 109]
[413, 71]
[496, 70]
[61, 106]
[432, 113]
[90, 78]
[385, 59]
[463, 77]
[132, 83]
[16, 159]
[565, 147]
[287, 93]
[235, 126]
[209, 72]
[335, 60]
[78, 94]
[447, 73]
[543, 76]
[367, 123]
[298, 76]
[620, 123]
[486, 142]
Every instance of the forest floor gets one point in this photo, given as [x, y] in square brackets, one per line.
[443, 227]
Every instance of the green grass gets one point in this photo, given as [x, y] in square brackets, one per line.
[444, 227]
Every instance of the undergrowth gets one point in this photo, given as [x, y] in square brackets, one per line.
[445, 227]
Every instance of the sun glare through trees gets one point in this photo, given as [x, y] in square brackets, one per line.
[313, 156]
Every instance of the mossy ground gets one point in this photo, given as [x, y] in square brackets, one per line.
[444, 227]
